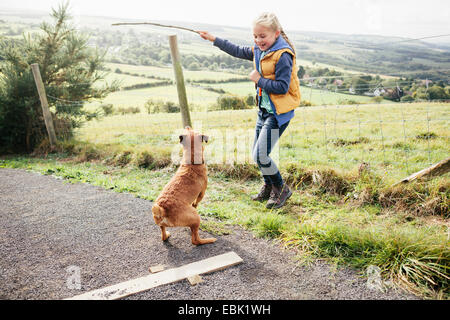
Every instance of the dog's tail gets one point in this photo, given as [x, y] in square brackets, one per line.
[158, 213]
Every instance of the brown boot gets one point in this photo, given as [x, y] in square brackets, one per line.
[264, 193]
[278, 197]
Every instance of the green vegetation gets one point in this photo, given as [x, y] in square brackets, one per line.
[69, 69]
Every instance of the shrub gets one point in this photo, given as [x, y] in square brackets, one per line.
[128, 110]
[305, 103]
[348, 101]
[108, 109]
[407, 99]
[377, 99]
[250, 100]
[158, 106]
[426, 136]
[437, 92]
[194, 66]
[231, 102]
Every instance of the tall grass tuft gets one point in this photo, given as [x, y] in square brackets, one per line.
[417, 261]
[270, 225]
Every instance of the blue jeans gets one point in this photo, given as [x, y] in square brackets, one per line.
[267, 133]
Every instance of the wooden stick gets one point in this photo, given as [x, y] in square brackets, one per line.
[154, 24]
[439, 168]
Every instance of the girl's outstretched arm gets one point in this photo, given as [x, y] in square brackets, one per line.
[228, 47]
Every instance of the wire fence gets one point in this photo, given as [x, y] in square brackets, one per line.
[394, 138]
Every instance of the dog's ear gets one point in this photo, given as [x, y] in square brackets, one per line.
[182, 136]
[205, 138]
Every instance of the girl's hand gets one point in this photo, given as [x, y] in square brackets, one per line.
[206, 35]
[254, 76]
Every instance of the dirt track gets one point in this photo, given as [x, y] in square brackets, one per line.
[48, 225]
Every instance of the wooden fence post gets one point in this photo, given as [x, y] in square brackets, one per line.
[182, 97]
[44, 103]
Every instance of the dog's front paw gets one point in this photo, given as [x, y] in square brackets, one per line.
[199, 241]
[165, 236]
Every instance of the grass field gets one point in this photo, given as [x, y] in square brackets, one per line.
[168, 72]
[339, 136]
[138, 97]
[126, 80]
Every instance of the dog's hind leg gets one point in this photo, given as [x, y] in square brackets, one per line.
[196, 237]
[196, 240]
[164, 234]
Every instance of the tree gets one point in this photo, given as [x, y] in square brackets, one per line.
[421, 94]
[213, 66]
[250, 100]
[231, 102]
[165, 57]
[360, 85]
[194, 66]
[69, 70]
[436, 93]
[407, 98]
[301, 72]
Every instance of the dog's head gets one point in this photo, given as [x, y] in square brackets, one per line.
[192, 143]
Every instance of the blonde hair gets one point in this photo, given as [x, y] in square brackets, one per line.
[270, 20]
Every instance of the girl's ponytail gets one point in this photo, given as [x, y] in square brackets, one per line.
[285, 37]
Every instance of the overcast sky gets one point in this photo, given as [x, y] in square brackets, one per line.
[408, 18]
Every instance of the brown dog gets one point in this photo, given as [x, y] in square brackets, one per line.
[177, 203]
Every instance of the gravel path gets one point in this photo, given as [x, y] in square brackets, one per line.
[49, 228]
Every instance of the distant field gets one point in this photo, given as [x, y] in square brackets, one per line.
[138, 97]
[126, 80]
[205, 48]
[321, 97]
[198, 97]
[238, 88]
[168, 72]
[316, 96]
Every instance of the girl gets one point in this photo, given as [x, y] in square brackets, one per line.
[278, 94]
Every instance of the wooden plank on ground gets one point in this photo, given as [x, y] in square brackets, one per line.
[194, 280]
[440, 168]
[141, 284]
[157, 268]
